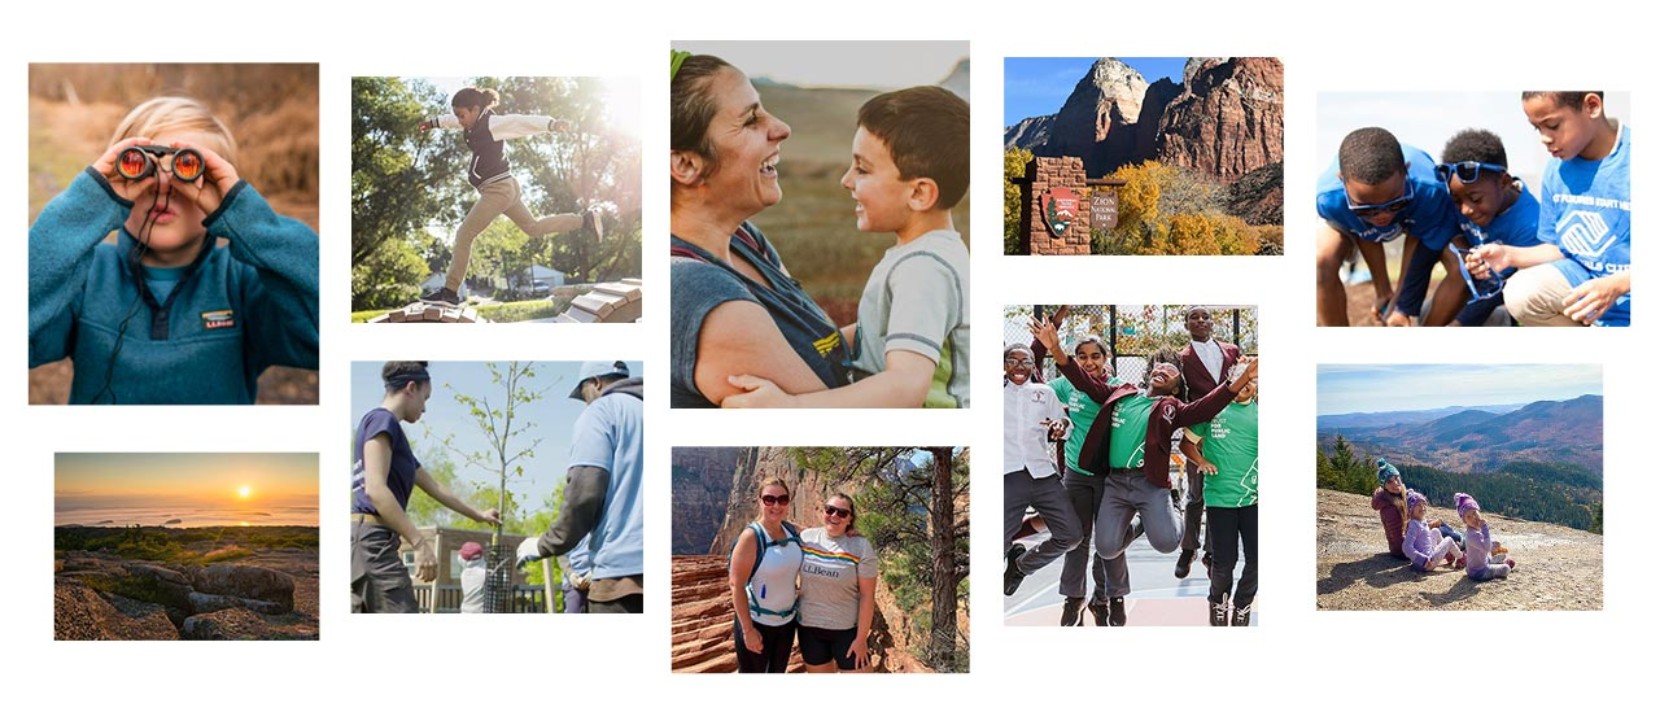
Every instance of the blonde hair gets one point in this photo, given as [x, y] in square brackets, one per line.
[769, 482]
[176, 114]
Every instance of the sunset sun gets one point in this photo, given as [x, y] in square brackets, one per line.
[244, 491]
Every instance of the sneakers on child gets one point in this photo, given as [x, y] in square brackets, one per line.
[1219, 613]
[442, 296]
[1011, 571]
[1242, 616]
[1109, 613]
[1072, 612]
[1184, 562]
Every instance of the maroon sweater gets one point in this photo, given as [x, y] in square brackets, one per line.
[1168, 413]
[1394, 525]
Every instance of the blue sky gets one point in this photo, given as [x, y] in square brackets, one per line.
[553, 416]
[1038, 86]
[1385, 388]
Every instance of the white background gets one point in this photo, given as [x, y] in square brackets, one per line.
[1342, 664]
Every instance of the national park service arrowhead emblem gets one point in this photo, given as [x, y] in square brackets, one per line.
[1060, 209]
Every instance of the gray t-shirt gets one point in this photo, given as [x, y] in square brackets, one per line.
[830, 572]
[917, 300]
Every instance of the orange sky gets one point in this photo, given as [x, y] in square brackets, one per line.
[281, 488]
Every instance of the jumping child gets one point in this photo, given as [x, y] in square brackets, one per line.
[486, 133]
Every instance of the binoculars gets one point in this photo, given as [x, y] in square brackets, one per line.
[136, 162]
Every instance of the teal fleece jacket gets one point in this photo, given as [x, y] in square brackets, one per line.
[236, 310]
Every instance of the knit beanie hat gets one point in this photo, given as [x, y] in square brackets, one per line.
[1465, 503]
[1414, 499]
[1386, 471]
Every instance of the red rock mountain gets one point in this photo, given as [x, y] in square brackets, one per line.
[1225, 119]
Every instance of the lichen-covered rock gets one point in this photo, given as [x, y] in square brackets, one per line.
[247, 581]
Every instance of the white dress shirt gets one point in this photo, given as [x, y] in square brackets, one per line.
[1026, 410]
[1210, 353]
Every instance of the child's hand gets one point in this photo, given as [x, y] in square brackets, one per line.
[217, 179]
[1057, 429]
[1250, 372]
[1381, 304]
[424, 126]
[129, 190]
[1592, 298]
[1489, 258]
[1045, 333]
[1398, 319]
[1207, 468]
[757, 393]
[560, 126]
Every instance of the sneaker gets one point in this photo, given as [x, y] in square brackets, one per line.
[1184, 562]
[1072, 613]
[1116, 618]
[1511, 563]
[1242, 616]
[1102, 612]
[591, 221]
[1219, 613]
[1011, 570]
[442, 296]
[1459, 564]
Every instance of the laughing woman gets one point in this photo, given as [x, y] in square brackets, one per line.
[735, 308]
[838, 592]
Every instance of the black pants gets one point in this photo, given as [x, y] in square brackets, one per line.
[1193, 511]
[1227, 529]
[776, 644]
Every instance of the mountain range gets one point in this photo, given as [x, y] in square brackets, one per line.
[1466, 439]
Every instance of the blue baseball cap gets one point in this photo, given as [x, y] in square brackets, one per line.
[597, 368]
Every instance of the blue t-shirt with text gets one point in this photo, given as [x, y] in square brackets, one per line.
[1585, 209]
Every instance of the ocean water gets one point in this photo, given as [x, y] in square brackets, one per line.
[186, 517]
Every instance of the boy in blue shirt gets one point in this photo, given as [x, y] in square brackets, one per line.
[910, 344]
[1496, 208]
[1580, 274]
[1379, 190]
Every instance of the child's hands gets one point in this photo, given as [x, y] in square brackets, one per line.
[424, 126]
[1484, 260]
[1592, 298]
[1207, 468]
[757, 393]
[1381, 304]
[1045, 333]
[217, 179]
[1398, 319]
[1057, 429]
[129, 190]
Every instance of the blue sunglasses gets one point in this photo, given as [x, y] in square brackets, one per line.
[1393, 206]
[1467, 171]
[1479, 289]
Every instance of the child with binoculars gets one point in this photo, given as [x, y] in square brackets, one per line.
[168, 314]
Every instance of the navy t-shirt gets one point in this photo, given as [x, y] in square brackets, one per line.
[400, 477]
[699, 283]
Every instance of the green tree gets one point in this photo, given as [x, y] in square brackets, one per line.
[508, 437]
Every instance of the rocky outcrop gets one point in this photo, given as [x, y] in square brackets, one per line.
[246, 582]
[1229, 119]
[1225, 119]
[808, 489]
[1028, 133]
[1557, 568]
[230, 624]
[1259, 196]
[701, 483]
[82, 613]
[104, 597]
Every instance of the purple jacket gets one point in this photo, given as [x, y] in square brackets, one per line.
[1478, 548]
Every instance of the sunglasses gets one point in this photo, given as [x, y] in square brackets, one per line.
[135, 163]
[1391, 207]
[775, 499]
[1467, 172]
[1024, 362]
[837, 512]
[1479, 289]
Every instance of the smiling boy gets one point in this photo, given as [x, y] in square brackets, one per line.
[1580, 274]
[910, 343]
[1496, 208]
[1379, 190]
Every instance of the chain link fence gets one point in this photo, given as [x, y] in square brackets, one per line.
[1131, 333]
